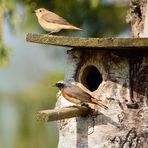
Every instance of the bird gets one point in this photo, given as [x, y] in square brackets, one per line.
[52, 22]
[73, 93]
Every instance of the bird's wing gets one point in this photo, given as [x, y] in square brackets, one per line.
[54, 18]
[76, 92]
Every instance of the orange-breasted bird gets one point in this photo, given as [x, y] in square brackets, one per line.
[75, 94]
[52, 22]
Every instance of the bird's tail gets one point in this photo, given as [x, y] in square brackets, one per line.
[74, 28]
[99, 103]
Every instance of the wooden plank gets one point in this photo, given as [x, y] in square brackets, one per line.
[100, 43]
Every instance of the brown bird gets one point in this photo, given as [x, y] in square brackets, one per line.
[75, 94]
[52, 22]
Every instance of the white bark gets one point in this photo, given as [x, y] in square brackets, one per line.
[120, 125]
[145, 32]
[124, 89]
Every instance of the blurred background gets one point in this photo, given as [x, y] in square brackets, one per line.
[28, 70]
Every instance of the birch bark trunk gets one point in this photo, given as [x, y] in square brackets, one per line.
[138, 18]
[124, 88]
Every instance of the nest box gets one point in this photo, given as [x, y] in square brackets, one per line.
[114, 71]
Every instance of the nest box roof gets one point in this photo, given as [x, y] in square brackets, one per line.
[97, 43]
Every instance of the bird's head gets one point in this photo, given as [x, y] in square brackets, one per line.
[39, 12]
[60, 84]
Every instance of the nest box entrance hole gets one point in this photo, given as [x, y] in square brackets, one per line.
[91, 78]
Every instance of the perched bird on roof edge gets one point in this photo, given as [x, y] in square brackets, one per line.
[75, 94]
[52, 22]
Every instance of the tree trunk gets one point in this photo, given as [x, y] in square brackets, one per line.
[138, 18]
[122, 83]
[123, 88]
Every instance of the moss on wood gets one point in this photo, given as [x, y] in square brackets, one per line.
[75, 42]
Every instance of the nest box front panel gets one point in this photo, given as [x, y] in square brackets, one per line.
[109, 75]
[112, 77]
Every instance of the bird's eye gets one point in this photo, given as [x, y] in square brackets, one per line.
[40, 10]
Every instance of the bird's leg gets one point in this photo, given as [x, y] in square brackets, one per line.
[50, 33]
[53, 32]
[85, 104]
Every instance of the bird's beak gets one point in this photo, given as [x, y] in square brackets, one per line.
[54, 85]
[33, 11]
